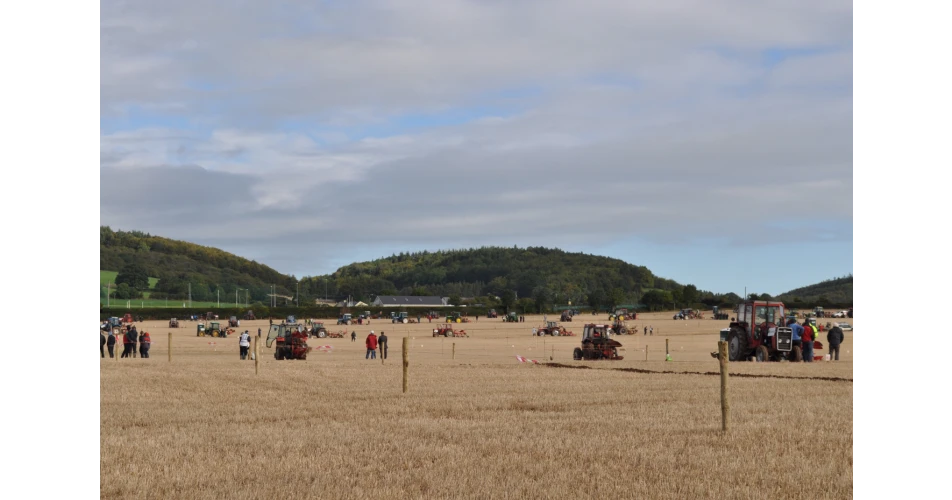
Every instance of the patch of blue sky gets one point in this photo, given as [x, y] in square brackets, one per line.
[761, 268]
[137, 118]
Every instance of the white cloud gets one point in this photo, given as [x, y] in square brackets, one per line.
[649, 113]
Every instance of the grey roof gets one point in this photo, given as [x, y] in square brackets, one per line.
[409, 300]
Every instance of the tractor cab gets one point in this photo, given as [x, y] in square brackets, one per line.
[552, 325]
[596, 332]
[200, 330]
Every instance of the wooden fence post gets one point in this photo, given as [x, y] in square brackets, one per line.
[406, 364]
[170, 347]
[725, 400]
[256, 355]
[646, 352]
[454, 350]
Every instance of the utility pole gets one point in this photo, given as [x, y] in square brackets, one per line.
[297, 296]
[107, 294]
[236, 298]
[189, 295]
[218, 293]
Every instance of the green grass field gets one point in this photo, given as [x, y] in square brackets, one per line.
[109, 277]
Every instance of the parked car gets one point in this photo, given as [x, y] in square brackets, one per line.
[845, 326]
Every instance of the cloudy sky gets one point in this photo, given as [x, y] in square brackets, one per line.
[710, 141]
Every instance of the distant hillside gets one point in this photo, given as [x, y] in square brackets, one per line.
[540, 275]
[157, 271]
[210, 271]
[837, 291]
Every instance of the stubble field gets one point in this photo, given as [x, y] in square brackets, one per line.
[482, 425]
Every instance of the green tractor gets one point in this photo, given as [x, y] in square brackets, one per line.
[214, 329]
[454, 317]
[511, 318]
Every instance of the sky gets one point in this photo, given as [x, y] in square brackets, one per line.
[708, 141]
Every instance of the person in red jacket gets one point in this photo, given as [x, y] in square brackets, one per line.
[807, 341]
[126, 345]
[371, 346]
[145, 342]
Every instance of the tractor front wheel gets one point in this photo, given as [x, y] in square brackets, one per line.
[577, 354]
[736, 345]
[761, 354]
[201, 334]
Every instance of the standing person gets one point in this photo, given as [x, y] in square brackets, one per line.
[835, 338]
[382, 343]
[259, 333]
[353, 336]
[646, 330]
[797, 332]
[145, 342]
[807, 339]
[126, 345]
[477, 318]
[102, 344]
[371, 346]
[111, 344]
[134, 339]
[651, 330]
[244, 342]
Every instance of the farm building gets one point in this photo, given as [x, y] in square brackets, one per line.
[408, 301]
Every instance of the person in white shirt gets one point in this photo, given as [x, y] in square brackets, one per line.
[244, 342]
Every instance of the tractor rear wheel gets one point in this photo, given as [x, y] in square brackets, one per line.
[737, 345]
[577, 354]
[796, 354]
[405, 321]
[321, 334]
[761, 354]
[555, 333]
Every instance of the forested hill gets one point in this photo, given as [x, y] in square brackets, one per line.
[178, 264]
[532, 278]
[837, 290]
[543, 275]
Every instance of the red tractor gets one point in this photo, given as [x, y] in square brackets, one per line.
[760, 334]
[597, 344]
[446, 330]
[554, 329]
[127, 318]
[290, 341]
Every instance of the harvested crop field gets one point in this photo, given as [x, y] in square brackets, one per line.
[482, 425]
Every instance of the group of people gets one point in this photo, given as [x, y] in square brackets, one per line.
[804, 335]
[373, 343]
[130, 339]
